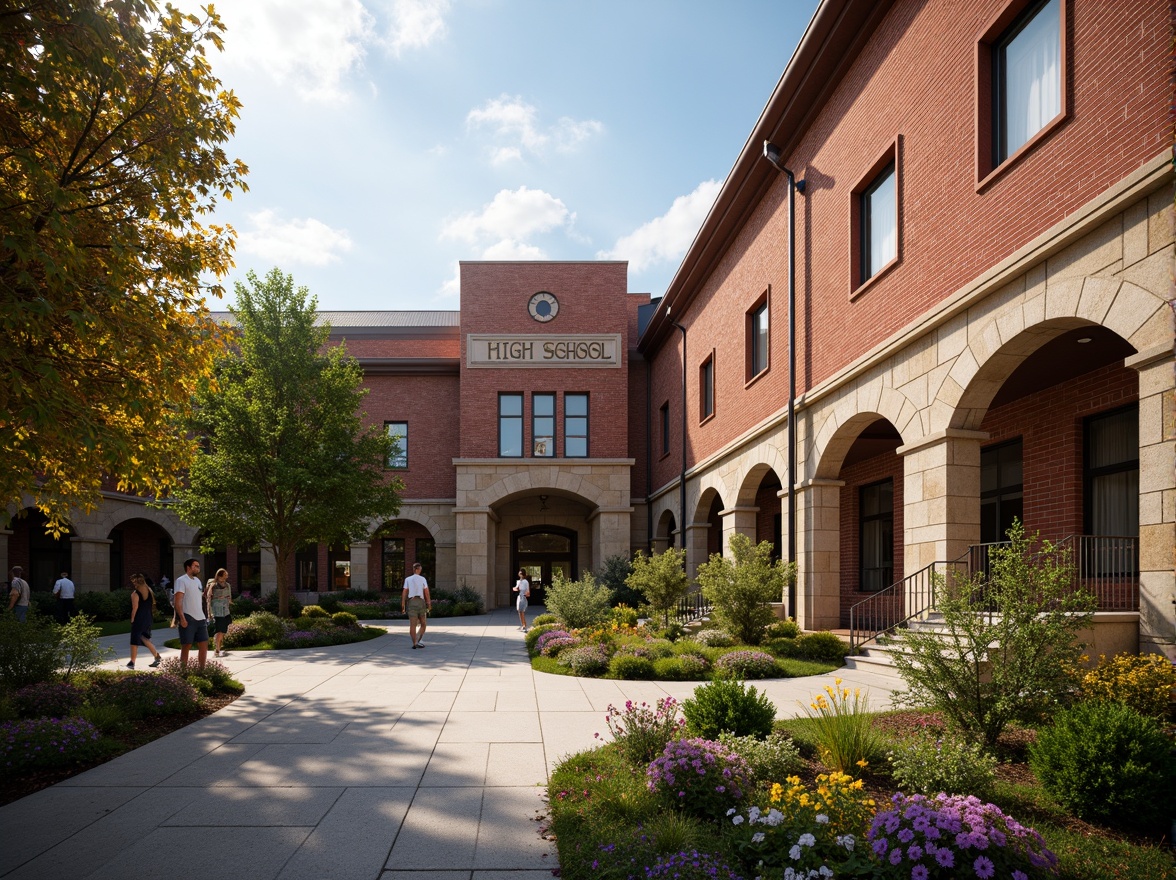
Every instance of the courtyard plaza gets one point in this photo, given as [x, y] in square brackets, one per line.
[369, 761]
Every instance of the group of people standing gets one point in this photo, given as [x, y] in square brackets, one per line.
[195, 606]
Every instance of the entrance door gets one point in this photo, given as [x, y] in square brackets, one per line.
[543, 552]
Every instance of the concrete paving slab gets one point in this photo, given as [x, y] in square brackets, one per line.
[221, 766]
[440, 830]
[227, 806]
[456, 765]
[500, 726]
[354, 839]
[515, 764]
[508, 833]
[228, 853]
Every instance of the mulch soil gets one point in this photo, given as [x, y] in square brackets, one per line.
[133, 737]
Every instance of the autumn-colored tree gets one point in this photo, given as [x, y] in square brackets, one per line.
[111, 134]
[289, 459]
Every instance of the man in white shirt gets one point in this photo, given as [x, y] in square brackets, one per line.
[190, 618]
[416, 600]
[65, 591]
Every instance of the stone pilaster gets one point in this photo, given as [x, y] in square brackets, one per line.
[90, 564]
[359, 564]
[738, 521]
[476, 537]
[818, 550]
[696, 543]
[610, 534]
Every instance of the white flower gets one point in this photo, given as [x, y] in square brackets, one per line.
[738, 820]
[822, 819]
[774, 818]
[826, 871]
[807, 840]
[731, 812]
[847, 841]
[758, 837]
[789, 874]
[753, 814]
[794, 853]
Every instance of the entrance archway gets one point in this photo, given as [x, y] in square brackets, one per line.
[543, 552]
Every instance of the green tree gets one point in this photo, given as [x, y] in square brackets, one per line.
[612, 573]
[111, 134]
[1006, 644]
[661, 579]
[742, 587]
[289, 458]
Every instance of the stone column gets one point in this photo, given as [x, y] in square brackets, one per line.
[90, 564]
[818, 551]
[941, 486]
[738, 521]
[447, 566]
[696, 543]
[180, 552]
[1157, 500]
[610, 534]
[359, 564]
[269, 571]
[476, 534]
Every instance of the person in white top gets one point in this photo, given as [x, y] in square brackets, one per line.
[190, 617]
[415, 599]
[523, 588]
[65, 591]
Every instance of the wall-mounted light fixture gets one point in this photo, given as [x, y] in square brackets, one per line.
[542, 502]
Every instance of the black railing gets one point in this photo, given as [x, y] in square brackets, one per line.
[888, 609]
[692, 607]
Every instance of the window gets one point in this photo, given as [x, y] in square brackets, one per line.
[1001, 493]
[576, 425]
[392, 563]
[1112, 473]
[543, 425]
[879, 219]
[426, 555]
[1026, 78]
[876, 528]
[757, 338]
[665, 428]
[510, 425]
[339, 566]
[306, 567]
[398, 431]
[706, 387]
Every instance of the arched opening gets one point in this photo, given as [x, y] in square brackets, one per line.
[139, 545]
[714, 530]
[544, 553]
[42, 556]
[769, 519]
[395, 546]
[665, 532]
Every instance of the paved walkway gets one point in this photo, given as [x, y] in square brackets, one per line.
[356, 762]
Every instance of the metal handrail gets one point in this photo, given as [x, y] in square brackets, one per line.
[888, 609]
[692, 606]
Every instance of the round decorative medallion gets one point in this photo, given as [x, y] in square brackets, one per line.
[543, 306]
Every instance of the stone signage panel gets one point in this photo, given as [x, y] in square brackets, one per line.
[532, 350]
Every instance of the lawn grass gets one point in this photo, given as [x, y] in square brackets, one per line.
[120, 627]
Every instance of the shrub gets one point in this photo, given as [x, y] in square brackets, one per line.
[713, 638]
[47, 699]
[551, 635]
[660, 580]
[29, 652]
[269, 626]
[1143, 682]
[642, 731]
[671, 632]
[742, 586]
[822, 646]
[215, 673]
[768, 760]
[270, 603]
[683, 667]
[691, 865]
[845, 728]
[588, 660]
[344, 618]
[623, 615]
[329, 602]
[1011, 664]
[630, 668]
[612, 574]
[954, 836]
[242, 634]
[926, 764]
[700, 776]
[80, 645]
[45, 743]
[728, 706]
[580, 603]
[143, 694]
[531, 639]
[115, 605]
[107, 718]
[747, 664]
[314, 611]
[544, 619]
[782, 629]
[1105, 761]
[244, 605]
[552, 647]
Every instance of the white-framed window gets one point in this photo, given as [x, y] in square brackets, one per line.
[398, 431]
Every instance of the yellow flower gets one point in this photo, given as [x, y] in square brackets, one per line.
[863, 763]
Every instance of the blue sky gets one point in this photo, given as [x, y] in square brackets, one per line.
[389, 139]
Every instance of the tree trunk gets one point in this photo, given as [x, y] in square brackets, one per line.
[282, 562]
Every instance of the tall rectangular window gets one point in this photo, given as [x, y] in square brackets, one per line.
[510, 425]
[879, 219]
[576, 425]
[306, 567]
[392, 563]
[1001, 490]
[426, 555]
[1112, 473]
[706, 387]
[398, 431]
[1026, 78]
[876, 528]
[665, 427]
[757, 339]
[543, 425]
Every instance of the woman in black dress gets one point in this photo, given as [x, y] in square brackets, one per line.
[142, 611]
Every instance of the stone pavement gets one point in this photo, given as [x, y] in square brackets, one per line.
[355, 762]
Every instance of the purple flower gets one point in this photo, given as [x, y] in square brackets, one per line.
[895, 856]
[945, 857]
[919, 872]
[983, 867]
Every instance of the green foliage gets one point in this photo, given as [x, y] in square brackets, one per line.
[682, 667]
[641, 731]
[672, 631]
[244, 605]
[770, 760]
[846, 736]
[80, 646]
[216, 675]
[104, 606]
[533, 634]
[544, 619]
[314, 611]
[728, 706]
[987, 669]
[580, 603]
[928, 764]
[344, 618]
[47, 699]
[782, 629]
[47, 743]
[272, 602]
[268, 626]
[113, 134]
[822, 646]
[106, 717]
[329, 602]
[145, 694]
[290, 460]
[742, 664]
[626, 666]
[1106, 762]
[586, 660]
[612, 575]
[661, 580]
[30, 652]
[714, 638]
[742, 586]
[1143, 682]
[623, 615]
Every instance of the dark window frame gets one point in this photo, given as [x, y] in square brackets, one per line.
[575, 435]
[535, 417]
[664, 411]
[384, 554]
[1090, 473]
[863, 519]
[761, 306]
[1004, 493]
[706, 388]
[394, 463]
[521, 420]
[860, 278]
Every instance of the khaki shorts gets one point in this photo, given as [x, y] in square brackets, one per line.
[416, 608]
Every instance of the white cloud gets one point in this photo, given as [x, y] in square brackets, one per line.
[667, 237]
[509, 249]
[416, 23]
[513, 126]
[510, 216]
[306, 242]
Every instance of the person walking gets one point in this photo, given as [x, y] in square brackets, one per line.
[415, 598]
[18, 595]
[523, 588]
[65, 591]
[219, 593]
[190, 618]
[142, 617]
